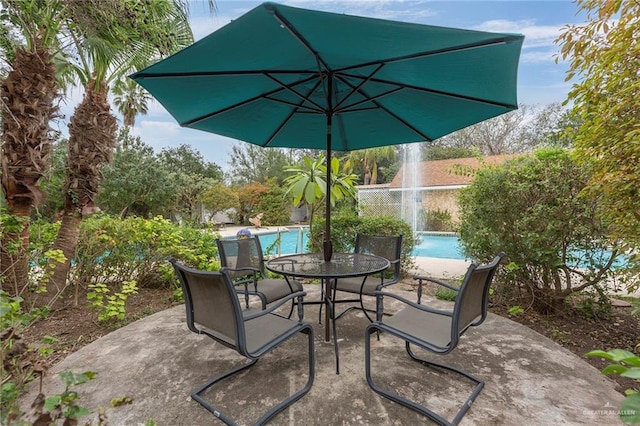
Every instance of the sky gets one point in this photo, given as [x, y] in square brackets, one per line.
[540, 78]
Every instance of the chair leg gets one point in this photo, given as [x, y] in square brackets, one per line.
[479, 384]
[213, 410]
[308, 330]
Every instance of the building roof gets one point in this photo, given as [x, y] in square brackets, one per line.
[441, 173]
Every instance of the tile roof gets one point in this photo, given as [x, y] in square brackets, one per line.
[441, 172]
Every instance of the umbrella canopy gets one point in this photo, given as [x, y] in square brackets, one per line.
[281, 76]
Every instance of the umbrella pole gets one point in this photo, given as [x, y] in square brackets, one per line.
[326, 245]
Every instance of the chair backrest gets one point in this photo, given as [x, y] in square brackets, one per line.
[241, 253]
[212, 305]
[471, 303]
[388, 247]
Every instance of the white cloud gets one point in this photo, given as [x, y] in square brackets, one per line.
[538, 57]
[534, 35]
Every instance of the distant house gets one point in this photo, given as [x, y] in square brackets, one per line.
[435, 185]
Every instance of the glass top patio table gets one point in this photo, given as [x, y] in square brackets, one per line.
[341, 265]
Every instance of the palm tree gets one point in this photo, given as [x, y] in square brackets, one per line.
[370, 159]
[131, 99]
[307, 183]
[28, 95]
[104, 53]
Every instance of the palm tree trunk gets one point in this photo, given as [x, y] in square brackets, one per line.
[92, 139]
[28, 93]
[67, 242]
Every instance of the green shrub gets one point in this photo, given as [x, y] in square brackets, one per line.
[437, 220]
[113, 250]
[18, 359]
[626, 364]
[533, 209]
[276, 209]
[344, 230]
[446, 294]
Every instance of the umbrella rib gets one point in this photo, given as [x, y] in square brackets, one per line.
[143, 74]
[434, 91]
[248, 101]
[351, 106]
[403, 121]
[470, 46]
[304, 42]
[289, 87]
[291, 114]
[358, 86]
[286, 24]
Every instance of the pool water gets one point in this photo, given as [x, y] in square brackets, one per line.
[439, 246]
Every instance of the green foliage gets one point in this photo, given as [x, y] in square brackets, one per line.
[626, 364]
[250, 163]
[15, 372]
[125, 189]
[596, 305]
[63, 405]
[121, 400]
[190, 161]
[108, 303]
[373, 163]
[113, 250]
[515, 310]
[276, 209]
[249, 196]
[533, 209]
[345, 228]
[307, 183]
[603, 68]
[219, 198]
[437, 220]
[446, 294]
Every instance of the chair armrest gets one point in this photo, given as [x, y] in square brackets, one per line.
[424, 308]
[275, 305]
[435, 281]
[246, 268]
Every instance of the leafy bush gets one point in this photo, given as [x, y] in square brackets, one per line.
[276, 209]
[437, 220]
[626, 364]
[112, 250]
[532, 208]
[15, 371]
[345, 228]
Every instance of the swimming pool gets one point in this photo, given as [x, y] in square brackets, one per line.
[295, 241]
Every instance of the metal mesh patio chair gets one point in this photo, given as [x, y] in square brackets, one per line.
[213, 309]
[388, 247]
[435, 330]
[244, 262]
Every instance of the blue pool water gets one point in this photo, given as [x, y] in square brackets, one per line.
[439, 246]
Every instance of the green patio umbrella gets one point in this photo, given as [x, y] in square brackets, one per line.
[281, 76]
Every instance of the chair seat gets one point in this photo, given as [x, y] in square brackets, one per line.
[426, 326]
[275, 289]
[262, 331]
[352, 285]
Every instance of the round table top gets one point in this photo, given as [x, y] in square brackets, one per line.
[313, 265]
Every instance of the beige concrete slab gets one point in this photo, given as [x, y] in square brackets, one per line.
[157, 362]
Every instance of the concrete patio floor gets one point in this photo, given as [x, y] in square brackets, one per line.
[157, 362]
